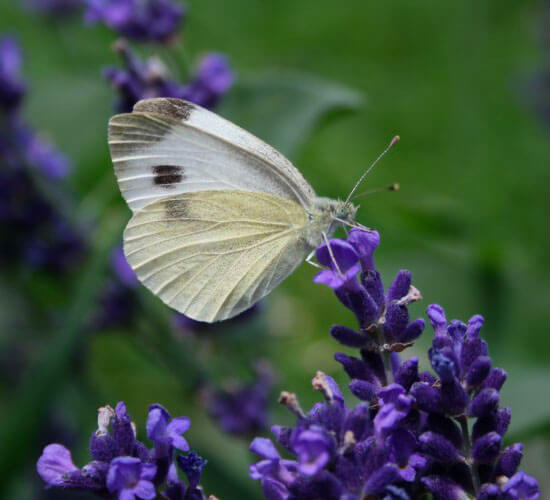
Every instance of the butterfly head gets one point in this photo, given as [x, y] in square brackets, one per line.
[343, 211]
[335, 213]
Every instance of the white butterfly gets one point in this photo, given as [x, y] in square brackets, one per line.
[219, 217]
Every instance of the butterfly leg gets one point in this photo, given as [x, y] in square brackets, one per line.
[310, 261]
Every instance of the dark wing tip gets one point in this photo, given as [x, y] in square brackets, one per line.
[168, 106]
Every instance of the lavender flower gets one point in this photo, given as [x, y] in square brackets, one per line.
[140, 20]
[241, 409]
[131, 478]
[411, 435]
[12, 86]
[150, 78]
[125, 468]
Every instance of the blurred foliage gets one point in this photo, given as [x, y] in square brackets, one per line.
[469, 220]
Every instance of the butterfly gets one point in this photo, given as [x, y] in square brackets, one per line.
[220, 218]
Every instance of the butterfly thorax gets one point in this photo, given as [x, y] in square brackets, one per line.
[325, 216]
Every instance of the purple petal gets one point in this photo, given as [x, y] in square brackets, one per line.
[487, 448]
[440, 448]
[179, 425]
[157, 422]
[348, 337]
[478, 371]
[264, 448]
[509, 461]
[381, 478]
[413, 330]
[314, 448]
[485, 402]
[365, 243]
[407, 374]
[524, 486]
[400, 286]
[145, 489]
[345, 255]
[390, 393]
[363, 390]
[495, 379]
[148, 471]
[427, 398]
[437, 318]
[54, 463]
[123, 472]
[444, 488]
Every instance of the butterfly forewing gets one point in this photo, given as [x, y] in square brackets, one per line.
[169, 146]
[213, 254]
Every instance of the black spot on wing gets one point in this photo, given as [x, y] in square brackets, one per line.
[167, 176]
[174, 108]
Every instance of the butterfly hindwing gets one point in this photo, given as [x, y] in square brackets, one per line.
[169, 146]
[213, 254]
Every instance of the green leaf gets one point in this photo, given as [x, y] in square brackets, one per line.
[527, 392]
[283, 108]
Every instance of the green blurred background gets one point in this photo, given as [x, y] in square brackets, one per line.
[329, 84]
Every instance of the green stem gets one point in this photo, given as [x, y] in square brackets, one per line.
[467, 449]
[385, 356]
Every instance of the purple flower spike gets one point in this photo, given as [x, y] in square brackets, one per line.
[130, 478]
[166, 432]
[12, 86]
[522, 486]
[55, 464]
[342, 270]
[140, 20]
[365, 243]
[410, 436]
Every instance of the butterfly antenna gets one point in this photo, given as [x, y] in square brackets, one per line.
[391, 187]
[392, 143]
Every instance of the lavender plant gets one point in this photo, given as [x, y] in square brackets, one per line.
[34, 230]
[413, 433]
[123, 467]
[241, 408]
